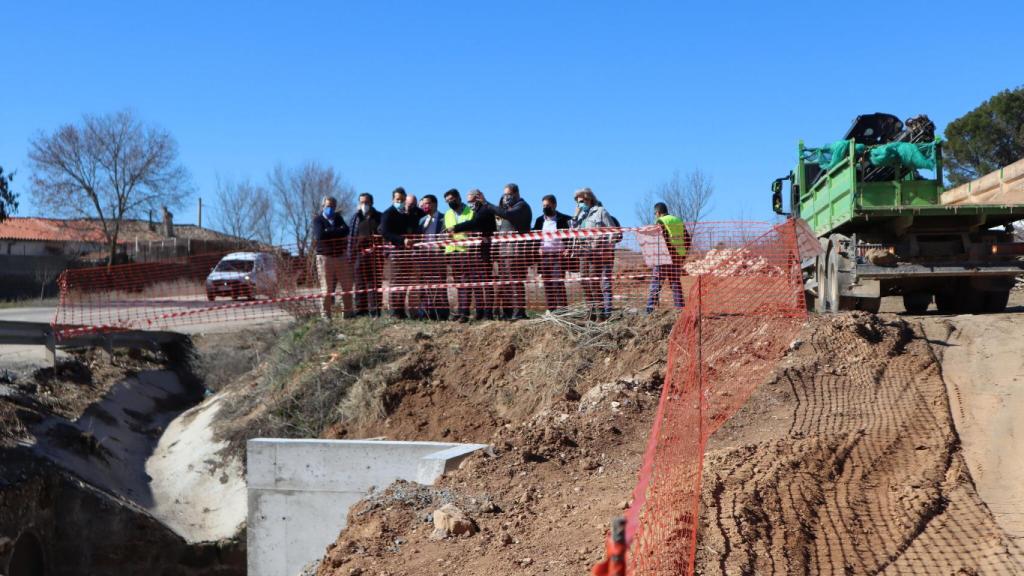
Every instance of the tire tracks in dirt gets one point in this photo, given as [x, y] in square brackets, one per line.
[847, 461]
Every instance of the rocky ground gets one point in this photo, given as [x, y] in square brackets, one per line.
[847, 459]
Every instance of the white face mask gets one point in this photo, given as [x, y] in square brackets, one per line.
[364, 208]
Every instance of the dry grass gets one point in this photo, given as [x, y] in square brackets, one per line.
[314, 376]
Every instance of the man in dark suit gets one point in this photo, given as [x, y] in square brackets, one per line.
[552, 253]
[362, 253]
[394, 227]
[481, 271]
[432, 302]
[513, 258]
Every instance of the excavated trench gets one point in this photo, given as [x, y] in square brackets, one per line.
[78, 446]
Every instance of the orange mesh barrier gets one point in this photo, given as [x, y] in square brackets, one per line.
[439, 277]
[744, 307]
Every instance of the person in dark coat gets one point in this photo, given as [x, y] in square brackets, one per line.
[330, 237]
[551, 253]
[363, 257]
[481, 274]
[432, 302]
[395, 226]
[514, 258]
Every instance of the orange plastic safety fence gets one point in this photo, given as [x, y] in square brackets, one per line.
[744, 307]
[430, 277]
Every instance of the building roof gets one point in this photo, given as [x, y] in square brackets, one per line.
[87, 230]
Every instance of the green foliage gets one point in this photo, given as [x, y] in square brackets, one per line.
[986, 138]
[8, 199]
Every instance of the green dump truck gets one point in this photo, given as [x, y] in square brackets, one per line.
[873, 200]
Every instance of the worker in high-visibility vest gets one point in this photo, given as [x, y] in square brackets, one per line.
[458, 257]
[677, 240]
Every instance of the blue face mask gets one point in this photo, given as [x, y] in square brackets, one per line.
[400, 206]
[583, 207]
[328, 211]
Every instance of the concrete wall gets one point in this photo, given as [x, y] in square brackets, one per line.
[300, 491]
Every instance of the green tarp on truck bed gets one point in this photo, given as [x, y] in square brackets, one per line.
[906, 154]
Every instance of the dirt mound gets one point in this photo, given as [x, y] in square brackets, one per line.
[847, 461]
[542, 500]
[432, 381]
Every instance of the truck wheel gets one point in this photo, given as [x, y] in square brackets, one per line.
[996, 301]
[917, 302]
[820, 270]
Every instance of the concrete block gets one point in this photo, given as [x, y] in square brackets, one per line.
[300, 491]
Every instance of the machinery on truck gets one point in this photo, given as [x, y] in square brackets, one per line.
[873, 199]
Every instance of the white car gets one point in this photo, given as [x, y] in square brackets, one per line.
[243, 275]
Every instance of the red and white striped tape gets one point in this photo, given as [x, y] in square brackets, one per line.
[501, 237]
[148, 323]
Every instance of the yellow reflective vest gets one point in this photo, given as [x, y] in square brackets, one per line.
[450, 220]
[676, 233]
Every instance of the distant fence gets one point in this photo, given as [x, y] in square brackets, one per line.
[743, 311]
[607, 269]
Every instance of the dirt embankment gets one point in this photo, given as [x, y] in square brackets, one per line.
[431, 381]
[848, 461]
[566, 404]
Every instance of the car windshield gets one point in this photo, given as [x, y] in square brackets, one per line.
[235, 266]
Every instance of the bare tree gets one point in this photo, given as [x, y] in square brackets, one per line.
[688, 197]
[244, 210]
[109, 168]
[298, 192]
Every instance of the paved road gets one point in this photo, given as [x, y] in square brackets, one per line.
[21, 359]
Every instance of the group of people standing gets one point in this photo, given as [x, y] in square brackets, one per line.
[429, 251]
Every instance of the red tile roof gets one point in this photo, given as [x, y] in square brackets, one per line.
[55, 230]
[51, 230]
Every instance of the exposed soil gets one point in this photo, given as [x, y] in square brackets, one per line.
[432, 381]
[983, 368]
[848, 461]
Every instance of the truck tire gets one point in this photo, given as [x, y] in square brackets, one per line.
[820, 271]
[917, 302]
[996, 301]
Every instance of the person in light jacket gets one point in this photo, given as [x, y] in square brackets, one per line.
[596, 255]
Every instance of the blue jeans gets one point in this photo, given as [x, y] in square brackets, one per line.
[669, 273]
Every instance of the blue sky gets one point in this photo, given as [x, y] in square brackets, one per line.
[553, 96]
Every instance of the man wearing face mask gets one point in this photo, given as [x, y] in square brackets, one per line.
[481, 270]
[330, 236]
[552, 269]
[394, 226]
[514, 216]
[432, 302]
[363, 257]
[458, 257]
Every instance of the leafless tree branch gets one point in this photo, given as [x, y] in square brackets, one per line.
[298, 192]
[687, 196]
[107, 168]
[244, 210]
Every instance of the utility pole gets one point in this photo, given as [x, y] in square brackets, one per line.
[200, 211]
